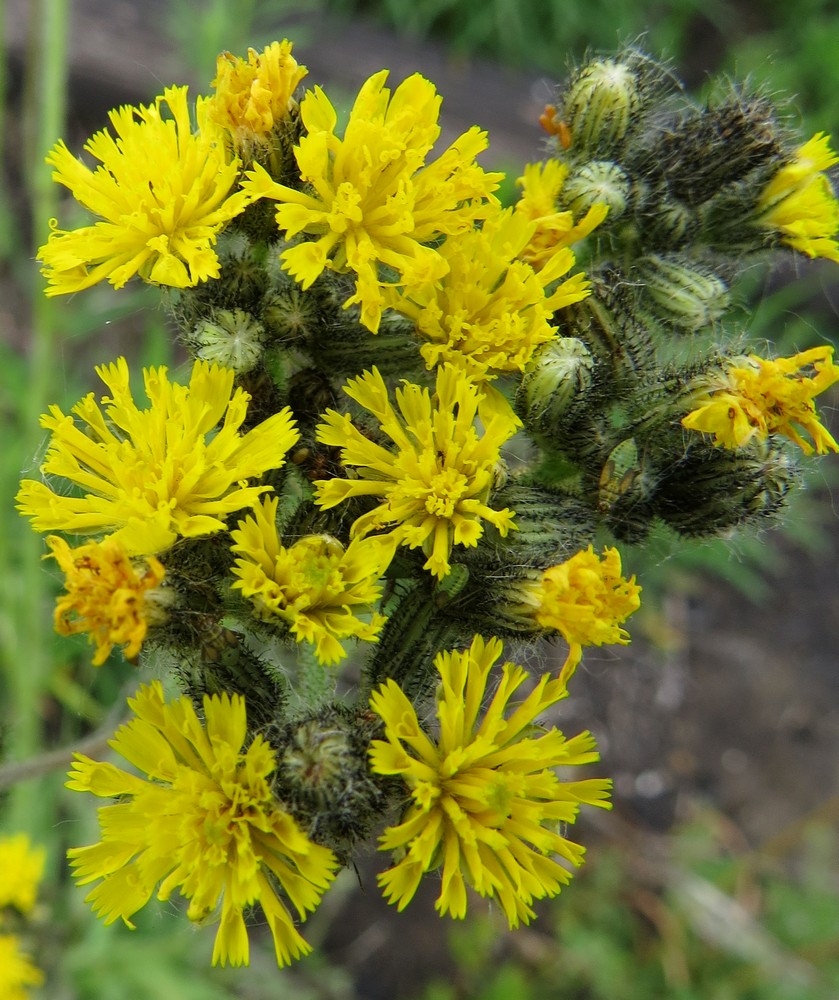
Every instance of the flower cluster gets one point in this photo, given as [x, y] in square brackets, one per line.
[503, 412]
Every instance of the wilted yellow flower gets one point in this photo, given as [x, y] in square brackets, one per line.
[109, 596]
[486, 804]
[756, 397]
[435, 486]
[490, 311]
[17, 973]
[800, 204]
[253, 96]
[586, 600]
[371, 199]
[206, 823]
[541, 184]
[162, 193]
[21, 867]
[161, 473]
[316, 586]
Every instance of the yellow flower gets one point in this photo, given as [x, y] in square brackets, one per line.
[486, 803]
[111, 597]
[371, 200]
[434, 488]
[490, 311]
[162, 193]
[206, 823]
[541, 184]
[586, 600]
[759, 397]
[17, 973]
[799, 201]
[252, 97]
[21, 867]
[153, 475]
[316, 586]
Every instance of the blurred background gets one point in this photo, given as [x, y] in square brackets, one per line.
[716, 875]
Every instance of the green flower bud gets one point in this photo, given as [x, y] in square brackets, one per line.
[290, 314]
[703, 150]
[347, 348]
[610, 324]
[681, 292]
[233, 339]
[624, 493]
[559, 373]
[599, 105]
[598, 182]
[711, 490]
[323, 776]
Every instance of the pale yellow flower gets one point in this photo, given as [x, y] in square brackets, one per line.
[800, 204]
[153, 475]
[253, 96]
[541, 184]
[486, 804]
[490, 311]
[371, 200]
[21, 868]
[323, 592]
[755, 397]
[435, 486]
[162, 193]
[205, 822]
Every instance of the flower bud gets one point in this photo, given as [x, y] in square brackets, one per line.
[600, 182]
[711, 490]
[323, 775]
[681, 292]
[599, 105]
[232, 339]
[558, 375]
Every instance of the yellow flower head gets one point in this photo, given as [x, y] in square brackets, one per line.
[316, 586]
[435, 486]
[162, 193]
[206, 823]
[371, 200]
[490, 311]
[800, 204]
[21, 867]
[252, 97]
[587, 601]
[759, 397]
[153, 475]
[109, 596]
[486, 803]
[17, 973]
[541, 184]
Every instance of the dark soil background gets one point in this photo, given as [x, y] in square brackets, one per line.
[720, 698]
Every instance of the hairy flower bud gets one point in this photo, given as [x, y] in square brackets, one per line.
[681, 292]
[711, 490]
[234, 339]
[600, 182]
[599, 105]
[558, 375]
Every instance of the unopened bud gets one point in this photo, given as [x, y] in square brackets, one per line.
[712, 490]
[599, 106]
[600, 182]
[233, 339]
[558, 374]
[682, 292]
